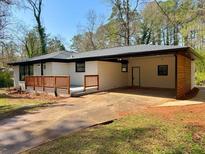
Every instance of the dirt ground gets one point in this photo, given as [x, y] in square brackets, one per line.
[191, 114]
[70, 114]
[155, 129]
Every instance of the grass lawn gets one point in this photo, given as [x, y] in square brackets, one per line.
[155, 130]
[11, 105]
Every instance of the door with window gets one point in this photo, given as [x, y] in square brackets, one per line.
[136, 76]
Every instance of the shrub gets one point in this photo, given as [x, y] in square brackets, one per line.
[200, 69]
[5, 79]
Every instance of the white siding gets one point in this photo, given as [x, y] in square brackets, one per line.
[110, 75]
[18, 83]
[77, 78]
[16, 76]
[149, 71]
[55, 68]
[59, 68]
[37, 69]
[48, 69]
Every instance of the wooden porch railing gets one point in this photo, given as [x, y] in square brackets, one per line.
[91, 81]
[61, 82]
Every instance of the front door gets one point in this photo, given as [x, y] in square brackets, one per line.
[136, 76]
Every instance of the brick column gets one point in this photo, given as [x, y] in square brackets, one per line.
[183, 79]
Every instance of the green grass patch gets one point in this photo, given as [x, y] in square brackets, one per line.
[133, 134]
[200, 78]
[11, 106]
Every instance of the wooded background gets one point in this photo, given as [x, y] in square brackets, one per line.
[131, 22]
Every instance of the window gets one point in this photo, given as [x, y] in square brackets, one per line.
[162, 70]
[124, 67]
[25, 70]
[21, 72]
[80, 66]
[30, 69]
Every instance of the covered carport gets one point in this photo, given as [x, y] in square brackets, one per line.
[170, 69]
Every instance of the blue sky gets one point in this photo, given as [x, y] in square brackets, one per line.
[62, 17]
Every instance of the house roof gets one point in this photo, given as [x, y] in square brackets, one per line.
[127, 50]
[61, 55]
[56, 55]
[138, 50]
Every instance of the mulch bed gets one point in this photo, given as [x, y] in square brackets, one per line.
[20, 94]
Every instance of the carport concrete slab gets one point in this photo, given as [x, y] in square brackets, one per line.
[29, 130]
[199, 99]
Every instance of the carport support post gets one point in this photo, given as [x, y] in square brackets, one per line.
[183, 75]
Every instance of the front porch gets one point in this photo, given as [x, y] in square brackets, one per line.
[60, 85]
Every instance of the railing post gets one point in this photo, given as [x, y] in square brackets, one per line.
[55, 88]
[55, 81]
[26, 82]
[68, 86]
[34, 88]
[98, 82]
[42, 80]
[85, 83]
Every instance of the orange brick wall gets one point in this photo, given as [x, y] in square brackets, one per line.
[183, 76]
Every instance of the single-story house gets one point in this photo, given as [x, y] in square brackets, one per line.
[155, 66]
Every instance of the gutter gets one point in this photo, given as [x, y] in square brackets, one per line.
[101, 57]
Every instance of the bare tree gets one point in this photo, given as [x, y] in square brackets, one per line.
[36, 7]
[87, 39]
[4, 14]
[91, 27]
[124, 13]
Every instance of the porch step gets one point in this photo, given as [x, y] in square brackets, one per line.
[77, 94]
[82, 93]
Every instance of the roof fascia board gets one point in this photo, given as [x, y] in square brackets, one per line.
[124, 55]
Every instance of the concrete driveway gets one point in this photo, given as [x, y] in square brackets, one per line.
[29, 130]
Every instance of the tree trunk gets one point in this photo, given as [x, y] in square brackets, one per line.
[37, 7]
[42, 36]
[176, 39]
[167, 36]
[127, 43]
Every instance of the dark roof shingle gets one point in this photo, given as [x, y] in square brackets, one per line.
[109, 52]
[125, 50]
